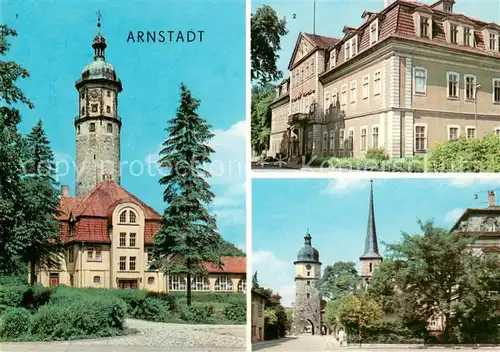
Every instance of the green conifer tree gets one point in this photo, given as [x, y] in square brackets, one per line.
[188, 237]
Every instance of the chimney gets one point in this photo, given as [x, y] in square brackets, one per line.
[65, 190]
[106, 177]
[491, 199]
[387, 3]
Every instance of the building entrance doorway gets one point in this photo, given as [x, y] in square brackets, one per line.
[54, 279]
[124, 284]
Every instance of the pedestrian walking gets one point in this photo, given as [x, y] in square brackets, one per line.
[342, 338]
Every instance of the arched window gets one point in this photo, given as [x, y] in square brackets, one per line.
[132, 217]
[242, 285]
[200, 283]
[151, 280]
[123, 217]
[176, 283]
[223, 283]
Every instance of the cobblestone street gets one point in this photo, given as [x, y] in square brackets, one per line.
[151, 337]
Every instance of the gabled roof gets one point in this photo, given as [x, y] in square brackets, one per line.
[231, 265]
[470, 211]
[317, 41]
[460, 18]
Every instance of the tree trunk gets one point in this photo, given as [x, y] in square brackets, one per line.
[32, 273]
[188, 288]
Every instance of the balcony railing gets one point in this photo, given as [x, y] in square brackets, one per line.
[298, 117]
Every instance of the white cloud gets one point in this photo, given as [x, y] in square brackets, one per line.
[465, 182]
[231, 216]
[453, 215]
[345, 185]
[275, 274]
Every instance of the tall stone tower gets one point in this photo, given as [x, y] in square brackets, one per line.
[97, 125]
[306, 310]
[371, 257]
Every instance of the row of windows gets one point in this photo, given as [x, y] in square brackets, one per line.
[94, 254]
[123, 263]
[95, 107]
[328, 140]
[109, 128]
[130, 219]
[132, 237]
[377, 88]
[303, 105]
[303, 72]
[453, 85]
[199, 283]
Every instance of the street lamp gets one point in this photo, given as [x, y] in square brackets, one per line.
[476, 88]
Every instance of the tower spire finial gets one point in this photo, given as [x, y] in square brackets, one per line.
[371, 243]
[99, 43]
[99, 15]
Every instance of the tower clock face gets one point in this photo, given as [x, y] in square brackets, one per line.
[94, 95]
[308, 267]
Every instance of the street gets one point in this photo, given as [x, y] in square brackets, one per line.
[150, 337]
[328, 343]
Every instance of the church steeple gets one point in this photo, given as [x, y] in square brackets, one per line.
[371, 257]
[371, 243]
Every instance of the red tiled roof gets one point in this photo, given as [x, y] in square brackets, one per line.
[231, 265]
[151, 227]
[322, 41]
[92, 230]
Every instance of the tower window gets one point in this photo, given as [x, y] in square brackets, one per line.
[308, 283]
[83, 110]
[108, 93]
[82, 96]
[78, 128]
[308, 295]
[110, 128]
[108, 109]
[94, 107]
[371, 267]
[308, 273]
[92, 127]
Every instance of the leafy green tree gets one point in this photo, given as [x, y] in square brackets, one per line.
[228, 249]
[332, 314]
[255, 281]
[11, 151]
[358, 312]
[188, 237]
[42, 243]
[339, 279]
[262, 96]
[266, 30]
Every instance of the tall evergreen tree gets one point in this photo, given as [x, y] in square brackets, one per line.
[188, 237]
[42, 243]
[11, 147]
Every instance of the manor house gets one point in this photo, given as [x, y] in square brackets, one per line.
[410, 76]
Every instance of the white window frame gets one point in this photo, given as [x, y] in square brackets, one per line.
[426, 132]
[361, 147]
[448, 74]
[467, 128]
[449, 127]
[374, 34]
[494, 80]
[366, 83]
[379, 81]
[473, 88]
[353, 92]
[342, 139]
[223, 284]
[457, 33]
[495, 37]
[334, 97]
[333, 58]
[176, 283]
[324, 147]
[415, 69]
[350, 131]
[347, 50]
[354, 46]
[332, 140]
[471, 35]
[344, 95]
[200, 283]
[327, 99]
[378, 136]
[429, 26]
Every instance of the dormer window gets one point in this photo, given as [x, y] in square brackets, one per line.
[454, 34]
[493, 41]
[347, 50]
[354, 46]
[424, 27]
[374, 32]
[333, 58]
[448, 8]
[467, 36]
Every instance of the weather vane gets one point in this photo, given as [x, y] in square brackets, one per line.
[99, 16]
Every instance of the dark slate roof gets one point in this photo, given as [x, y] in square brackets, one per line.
[371, 243]
[308, 253]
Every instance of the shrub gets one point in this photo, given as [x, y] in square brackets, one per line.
[78, 316]
[236, 312]
[376, 154]
[152, 309]
[12, 296]
[198, 313]
[14, 323]
[466, 155]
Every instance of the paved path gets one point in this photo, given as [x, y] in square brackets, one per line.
[328, 343]
[151, 337]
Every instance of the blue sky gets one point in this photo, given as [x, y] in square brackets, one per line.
[333, 15]
[336, 214]
[54, 44]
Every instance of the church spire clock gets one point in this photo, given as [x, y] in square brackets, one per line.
[98, 124]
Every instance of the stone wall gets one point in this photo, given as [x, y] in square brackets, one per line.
[306, 308]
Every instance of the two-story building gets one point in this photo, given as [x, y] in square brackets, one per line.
[409, 77]
[258, 306]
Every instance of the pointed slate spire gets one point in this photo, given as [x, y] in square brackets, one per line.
[371, 243]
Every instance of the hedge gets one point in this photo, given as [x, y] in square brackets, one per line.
[15, 323]
[411, 164]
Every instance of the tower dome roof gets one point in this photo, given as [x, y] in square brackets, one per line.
[308, 253]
